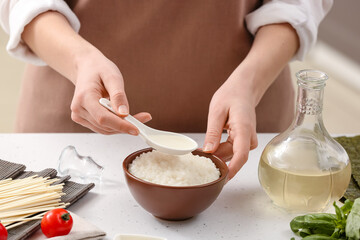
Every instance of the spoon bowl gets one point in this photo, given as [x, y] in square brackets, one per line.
[163, 141]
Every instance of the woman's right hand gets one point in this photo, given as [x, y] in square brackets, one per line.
[99, 77]
[93, 75]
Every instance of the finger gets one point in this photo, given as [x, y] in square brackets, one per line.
[97, 129]
[104, 118]
[241, 148]
[81, 116]
[87, 124]
[114, 85]
[84, 117]
[225, 151]
[143, 117]
[254, 141]
[216, 122]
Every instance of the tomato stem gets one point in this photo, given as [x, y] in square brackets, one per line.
[65, 216]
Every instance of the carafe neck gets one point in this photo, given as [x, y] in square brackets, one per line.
[309, 106]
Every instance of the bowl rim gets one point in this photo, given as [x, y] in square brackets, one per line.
[221, 178]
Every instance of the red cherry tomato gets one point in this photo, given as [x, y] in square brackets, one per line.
[3, 232]
[56, 222]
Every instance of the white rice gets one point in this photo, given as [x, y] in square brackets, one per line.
[172, 170]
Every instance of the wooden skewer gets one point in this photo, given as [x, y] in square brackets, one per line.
[16, 180]
[20, 216]
[22, 222]
[24, 185]
[4, 184]
[29, 191]
[13, 181]
[5, 181]
[36, 205]
[32, 199]
[28, 211]
[41, 204]
[30, 205]
[9, 221]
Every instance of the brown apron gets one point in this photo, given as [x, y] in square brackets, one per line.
[173, 56]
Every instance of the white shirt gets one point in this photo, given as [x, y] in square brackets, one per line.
[303, 15]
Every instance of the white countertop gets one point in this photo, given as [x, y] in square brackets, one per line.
[242, 210]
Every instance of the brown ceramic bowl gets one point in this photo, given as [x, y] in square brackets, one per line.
[174, 203]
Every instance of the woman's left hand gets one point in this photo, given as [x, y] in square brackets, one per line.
[233, 105]
[232, 108]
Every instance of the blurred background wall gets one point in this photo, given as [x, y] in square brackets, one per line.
[11, 71]
[341, 29]
[337, 53]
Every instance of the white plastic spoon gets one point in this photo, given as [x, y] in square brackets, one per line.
[163, 141]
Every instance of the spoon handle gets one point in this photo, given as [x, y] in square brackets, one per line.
[139, 125]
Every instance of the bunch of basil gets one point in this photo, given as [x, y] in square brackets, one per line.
[345, 224]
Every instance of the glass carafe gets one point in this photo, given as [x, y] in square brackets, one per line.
[304, 169]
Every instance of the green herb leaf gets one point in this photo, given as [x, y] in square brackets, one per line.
[304, 232]
[320, 226]
[337, 233]
[318, 223]
[346, 208]
[353, 222]
[319, 237]
[339, 213]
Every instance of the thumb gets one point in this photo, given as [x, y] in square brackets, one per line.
[216, 123]
[114, 85]
[119, 101]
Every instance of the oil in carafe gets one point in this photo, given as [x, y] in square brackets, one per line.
[306, 190]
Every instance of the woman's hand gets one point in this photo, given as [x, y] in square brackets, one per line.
[98, 77]
[233, 105]
[232, 108]
[51, 37]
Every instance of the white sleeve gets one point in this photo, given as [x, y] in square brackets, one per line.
[303, 15]
[16, 14]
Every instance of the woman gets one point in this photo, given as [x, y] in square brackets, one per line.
[193, 65]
